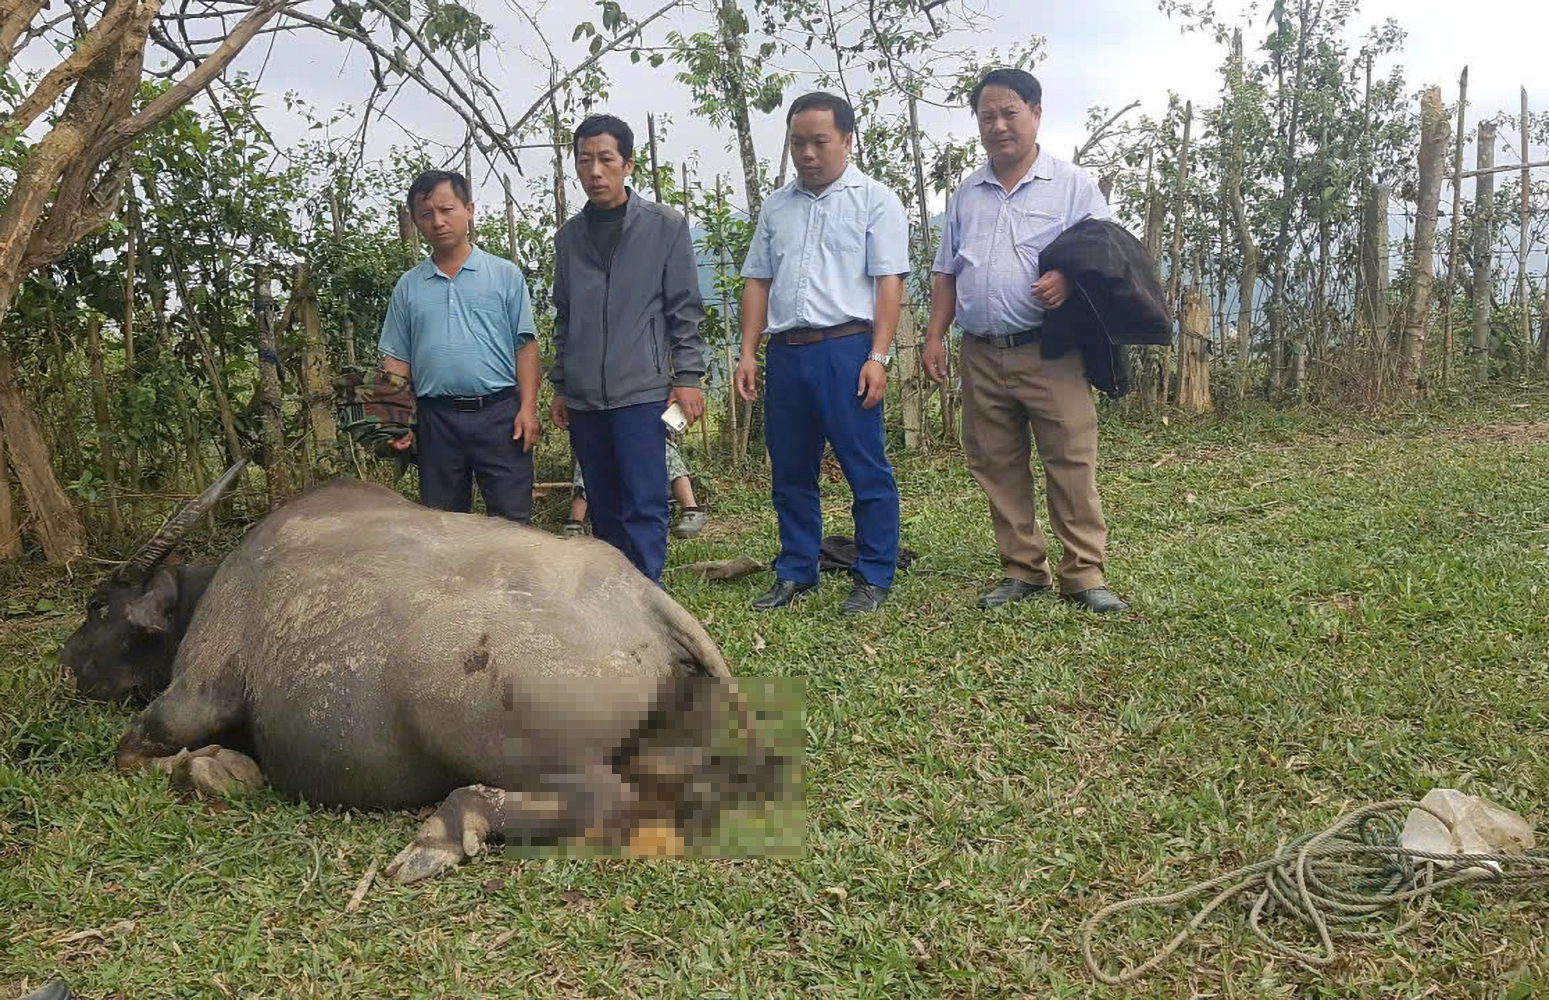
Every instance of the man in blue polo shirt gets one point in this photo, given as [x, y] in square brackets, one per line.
[460, 325]
[825, 279]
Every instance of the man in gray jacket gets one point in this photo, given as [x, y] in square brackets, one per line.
[626, 342]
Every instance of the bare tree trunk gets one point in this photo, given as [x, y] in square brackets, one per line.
[1483, 292]
[1194, 353]
[276, 461]
[407, 234]
[908, 333]
[1374, 268]
[1453, 228]
[1145, 357]
[347, 328]
[733, 26]
[10, 531]
[730, 428]
[1175, 285]
[130, 255]
[315, 386]
[1433, 144]
[704, 421]
[103, 414]
[656, 174]
[1288, 200]
[58, 527]
[559, 155]
[1525, 241]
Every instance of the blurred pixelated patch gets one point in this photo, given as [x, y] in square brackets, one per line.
[714, 771]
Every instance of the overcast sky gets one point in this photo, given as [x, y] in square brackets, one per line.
[1106, 52]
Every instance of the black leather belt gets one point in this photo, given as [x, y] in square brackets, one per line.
[1015, 339]
[813, 334]
[468, 404]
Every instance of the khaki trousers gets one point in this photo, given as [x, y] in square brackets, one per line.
[1006, 391]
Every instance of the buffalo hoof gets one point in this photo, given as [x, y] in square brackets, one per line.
[213, 770]
[453, 833]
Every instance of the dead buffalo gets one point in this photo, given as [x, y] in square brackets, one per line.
[373, 653]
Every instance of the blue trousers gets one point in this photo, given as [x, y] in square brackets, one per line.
[811, 398]
[623, 457]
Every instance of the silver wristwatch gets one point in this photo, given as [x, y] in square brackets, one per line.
[882, 359]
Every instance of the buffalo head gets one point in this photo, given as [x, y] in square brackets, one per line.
[136, 618]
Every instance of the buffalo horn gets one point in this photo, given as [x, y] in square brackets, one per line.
[139, 566]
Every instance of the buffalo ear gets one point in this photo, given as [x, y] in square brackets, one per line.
[152, 610]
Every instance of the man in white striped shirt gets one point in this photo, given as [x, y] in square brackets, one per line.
[987, 278]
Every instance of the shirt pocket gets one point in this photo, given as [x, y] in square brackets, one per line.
[844, 231]
[1035, 229]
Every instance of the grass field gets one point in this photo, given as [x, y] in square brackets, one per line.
[1328, 610]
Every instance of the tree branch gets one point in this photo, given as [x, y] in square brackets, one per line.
[13, 24]
[103, 35]
[154, 113]
[1102, 131]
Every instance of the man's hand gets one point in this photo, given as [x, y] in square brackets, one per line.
[935, 358]
[747, 378]
[525, 428]
[559, 414]
[872, 384]
[404, 442]
[1051, 288]
[690, 399]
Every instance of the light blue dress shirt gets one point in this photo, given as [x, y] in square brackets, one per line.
[460, 335]
[991, 239]
[821, 253]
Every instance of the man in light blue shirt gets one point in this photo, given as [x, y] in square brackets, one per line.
[825, 279]
[987, 277]
[460, 325]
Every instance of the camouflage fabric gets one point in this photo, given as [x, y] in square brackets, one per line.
[675, 468]
[375, 408]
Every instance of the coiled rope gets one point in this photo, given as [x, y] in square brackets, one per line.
[1348, 874]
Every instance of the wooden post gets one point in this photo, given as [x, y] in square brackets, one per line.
[1194, 353]
[559, 153]
[10, 531]
[276, 461]
[1433, 142]
[505, 182]
[688, 217]
[1524, 242]
[1175, 282]
[315, 388]
[130, 264]
[468, 173]
[347, 328]
[731, 367]
[1483, 292]
[656, 174]
[103, 414]
[1375, 280]
[908, 333]
[1452, 238]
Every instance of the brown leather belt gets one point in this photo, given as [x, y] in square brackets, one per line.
[813, 334]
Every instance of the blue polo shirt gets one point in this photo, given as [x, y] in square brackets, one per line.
[460, 335]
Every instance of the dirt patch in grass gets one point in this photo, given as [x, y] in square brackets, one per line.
[1526, 433]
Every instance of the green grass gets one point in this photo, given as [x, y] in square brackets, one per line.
[1328, 610]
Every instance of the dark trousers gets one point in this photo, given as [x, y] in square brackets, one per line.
[811, 397]
[456, 445]
[623, 457]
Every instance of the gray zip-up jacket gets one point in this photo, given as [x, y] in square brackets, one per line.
[627, 334]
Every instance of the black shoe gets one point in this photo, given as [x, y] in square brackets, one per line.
[1010, 590]
[782, 593]
[1098, 599]
[864, 599]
